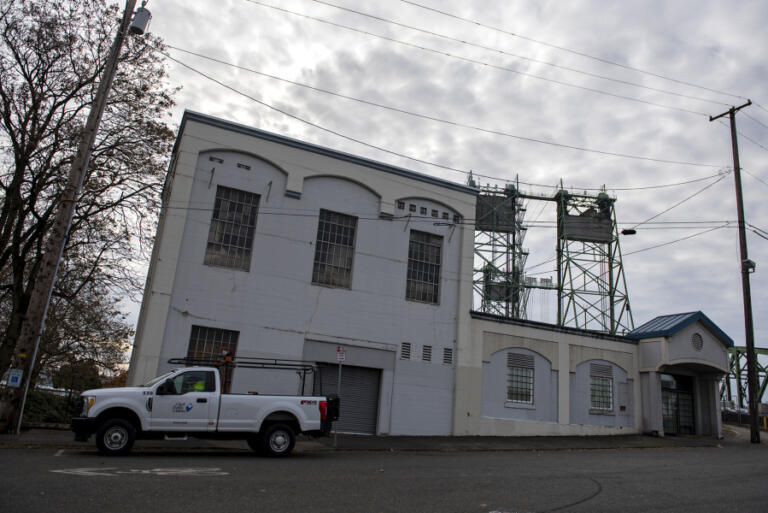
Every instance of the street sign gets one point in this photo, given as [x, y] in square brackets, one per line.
[14, 378]
[341, 354]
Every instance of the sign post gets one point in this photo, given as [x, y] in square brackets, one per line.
[341, 355]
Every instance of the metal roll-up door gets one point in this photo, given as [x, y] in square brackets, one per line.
[359, 397]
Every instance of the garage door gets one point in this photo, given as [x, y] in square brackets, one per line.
[359, 396]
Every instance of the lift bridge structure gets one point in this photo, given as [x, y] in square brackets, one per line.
[591, 284]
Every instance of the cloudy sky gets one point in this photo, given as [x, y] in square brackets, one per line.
[626, 86]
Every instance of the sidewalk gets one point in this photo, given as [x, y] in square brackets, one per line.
[734, 435]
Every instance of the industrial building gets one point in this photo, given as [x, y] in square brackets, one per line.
[274, 248]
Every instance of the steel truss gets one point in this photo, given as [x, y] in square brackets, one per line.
[591, 284]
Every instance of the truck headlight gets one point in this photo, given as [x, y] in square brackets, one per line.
[88, 402]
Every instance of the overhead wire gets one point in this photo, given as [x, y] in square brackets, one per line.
[681, 201]
[475, 61]
[403, 111]
[517, 56]
[754, 119]
[676, 240]
[574, 52]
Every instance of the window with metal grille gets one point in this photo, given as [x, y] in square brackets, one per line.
[424, 257]
[335, 249]
[600, 387]
[520, 378]
[230, 238]
[211, 344]
[405, 351]
[426, 353]
[447, 356]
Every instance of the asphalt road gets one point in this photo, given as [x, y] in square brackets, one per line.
[697, 480]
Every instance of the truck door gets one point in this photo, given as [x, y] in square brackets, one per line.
[187, 403]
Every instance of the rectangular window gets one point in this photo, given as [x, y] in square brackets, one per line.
[520, 378]
[426, 353]
[424, 258]
[335, 249]
[600, 387]
[447, 356]
[230, 238]
[405, 351]
[212, 344]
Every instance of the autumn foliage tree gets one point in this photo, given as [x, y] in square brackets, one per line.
[51, 56]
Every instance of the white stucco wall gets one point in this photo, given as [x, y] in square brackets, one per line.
[274, 306]
[565, 350]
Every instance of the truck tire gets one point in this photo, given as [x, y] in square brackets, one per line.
[115, 437]
[278, 441]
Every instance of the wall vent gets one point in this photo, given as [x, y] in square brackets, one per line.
[520, 360]
[447, 356]
[596, 369]
[405, 351]
[426, 353]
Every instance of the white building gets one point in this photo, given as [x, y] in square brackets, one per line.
[271, 247]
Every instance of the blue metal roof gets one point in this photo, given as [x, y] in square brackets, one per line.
[668, 325]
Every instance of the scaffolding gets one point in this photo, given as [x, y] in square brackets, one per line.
[499, 254]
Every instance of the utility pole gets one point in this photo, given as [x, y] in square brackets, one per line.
[747, 266]
[25, 352]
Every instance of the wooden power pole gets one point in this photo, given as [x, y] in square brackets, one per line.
[25, 353]
[747, 266]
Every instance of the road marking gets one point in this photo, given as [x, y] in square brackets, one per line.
[114, 471]
[59, 453]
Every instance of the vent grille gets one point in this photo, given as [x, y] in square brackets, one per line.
[520, 360]
[596, 369]
[405, 351]
[448, 356]
[426, 353]
[697, 341]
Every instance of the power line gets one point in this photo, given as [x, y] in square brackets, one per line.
[675, 241]
[681, 201]
[575, 52]
[754, 119]
[475, 61]
[424, 116]
[755, 177]
[517, 56]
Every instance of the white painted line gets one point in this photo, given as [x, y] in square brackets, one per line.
[59, 453]
[114, 471]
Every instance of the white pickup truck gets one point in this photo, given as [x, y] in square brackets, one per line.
[189, 402]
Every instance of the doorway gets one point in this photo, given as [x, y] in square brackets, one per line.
[677, 404]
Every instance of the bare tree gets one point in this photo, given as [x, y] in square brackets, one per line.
[51, 55]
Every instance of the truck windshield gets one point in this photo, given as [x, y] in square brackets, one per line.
[157, 379]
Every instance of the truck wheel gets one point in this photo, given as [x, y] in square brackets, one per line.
[278, 440]
[115, 437]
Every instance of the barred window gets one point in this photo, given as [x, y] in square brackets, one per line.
[211, 343]
[334, 250]
[424, 257]
[230, 238]
[601, 393]
[520, 378]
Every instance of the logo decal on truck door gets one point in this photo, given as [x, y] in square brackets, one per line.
[182, 407]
